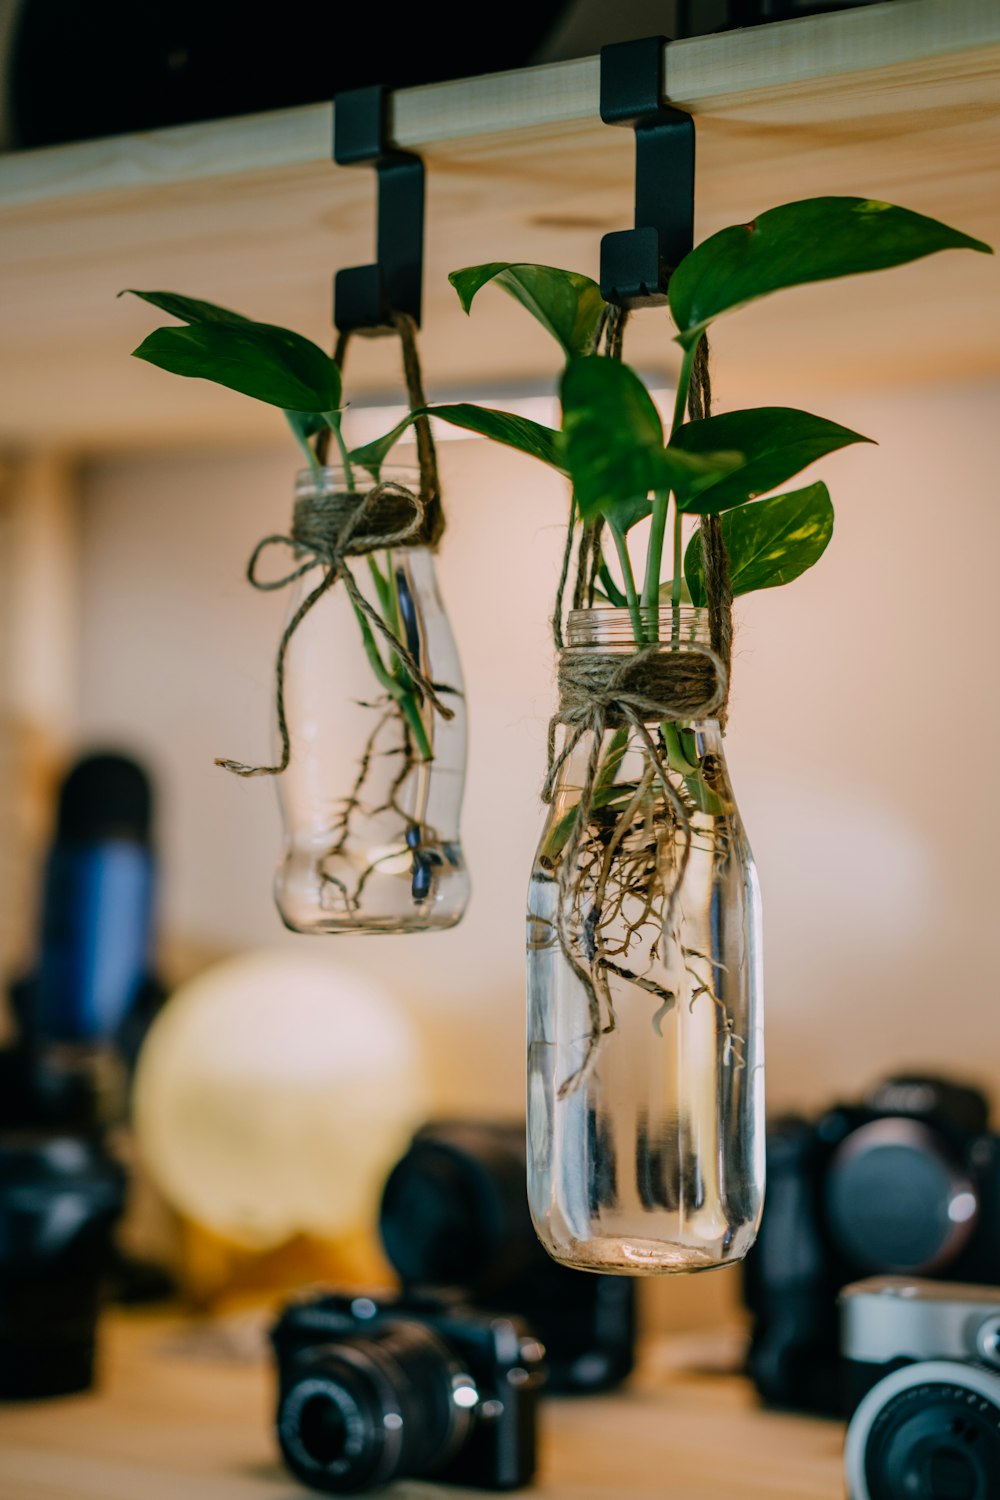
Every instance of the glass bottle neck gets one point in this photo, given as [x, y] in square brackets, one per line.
[332, 481]
[619, 629]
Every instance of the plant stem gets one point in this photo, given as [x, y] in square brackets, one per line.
[675, 591]
[654, 556]
[632, 598]
[612, 590]
[404, 696]
[333, 422]
[307, 449]
[684, 384]
[408, 703]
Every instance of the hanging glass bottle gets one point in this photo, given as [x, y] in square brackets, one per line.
[372, 793]
[645, 1059]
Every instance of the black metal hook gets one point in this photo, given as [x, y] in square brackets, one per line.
[636, 263]
[366, 296]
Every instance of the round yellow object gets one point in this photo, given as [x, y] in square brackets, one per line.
[273, 1094]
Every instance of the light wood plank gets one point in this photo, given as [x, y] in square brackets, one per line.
[698, 70]
[899, 101]
[168, 1422]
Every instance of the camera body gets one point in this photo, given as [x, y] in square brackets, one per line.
[371, 1389]
[906, 1182]
[454, 1213]
[922, 1367]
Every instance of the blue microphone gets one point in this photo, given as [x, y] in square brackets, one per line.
[97, 907]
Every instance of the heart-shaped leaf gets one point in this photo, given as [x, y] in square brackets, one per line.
[812, 240]
[188, 309]
[769, 542]
[259, 360]
[568, 305]
[613, 443]
[777, 442]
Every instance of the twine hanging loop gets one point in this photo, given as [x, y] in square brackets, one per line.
[328, 528]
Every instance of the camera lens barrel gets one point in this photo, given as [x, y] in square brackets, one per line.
[374, 1407]
[928, 1431]
[454, 1210]
[897, 1200]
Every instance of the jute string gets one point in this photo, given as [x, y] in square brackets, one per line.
[327, 529]
[598, 690]
[601, 690]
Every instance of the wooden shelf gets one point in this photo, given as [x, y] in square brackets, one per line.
[175, 1416]
[898, 101]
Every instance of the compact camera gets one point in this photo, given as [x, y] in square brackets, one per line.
[372, 1389]
[922, 1363]
[455, 1213]
[907, 1182]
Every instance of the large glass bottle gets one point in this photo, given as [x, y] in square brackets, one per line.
[372, 795]
[645, 1056]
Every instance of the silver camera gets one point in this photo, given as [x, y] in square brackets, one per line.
[922, 1366]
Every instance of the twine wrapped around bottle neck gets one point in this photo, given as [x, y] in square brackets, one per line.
[328, 528]
[600, 689]
[658, 683]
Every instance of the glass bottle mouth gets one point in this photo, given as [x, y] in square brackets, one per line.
[331, 481]
[608, 627]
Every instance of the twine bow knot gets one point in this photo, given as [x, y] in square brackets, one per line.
[658, 683]
[326, 530]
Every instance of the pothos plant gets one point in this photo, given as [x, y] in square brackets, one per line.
[611, 445]
[646, 801]
[622, 466]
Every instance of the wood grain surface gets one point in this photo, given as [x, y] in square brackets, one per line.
[898, 101]
[185, 1414]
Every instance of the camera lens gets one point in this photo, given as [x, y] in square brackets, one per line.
[374, 1407]
[323, 1428]
[927, 1432]
[454, 1210]
[895, 1201]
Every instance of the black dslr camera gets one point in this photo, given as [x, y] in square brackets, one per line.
[375, 1390]
[454, 1213]
[906, 1183]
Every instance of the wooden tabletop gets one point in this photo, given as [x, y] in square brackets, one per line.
[184, 1413]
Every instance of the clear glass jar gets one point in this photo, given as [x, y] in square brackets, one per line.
[372, 795]
[645, 1045]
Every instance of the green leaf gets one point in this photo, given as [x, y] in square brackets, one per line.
[816, 239]
[507, 428]
[568, 305]
[768, 543]
[777, 442]
[502, 426]
[305, 425]
[613, 443]
[259, 360]
[188, 309]
[373, 455]
[612, 437]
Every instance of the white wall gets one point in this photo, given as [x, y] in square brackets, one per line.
[864, 743]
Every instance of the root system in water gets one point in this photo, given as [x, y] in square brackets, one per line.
[619, 923]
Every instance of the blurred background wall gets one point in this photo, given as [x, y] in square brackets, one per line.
[864, 736]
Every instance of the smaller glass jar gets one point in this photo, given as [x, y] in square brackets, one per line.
[372, 794]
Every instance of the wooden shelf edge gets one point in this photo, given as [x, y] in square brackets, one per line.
[702, 72]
